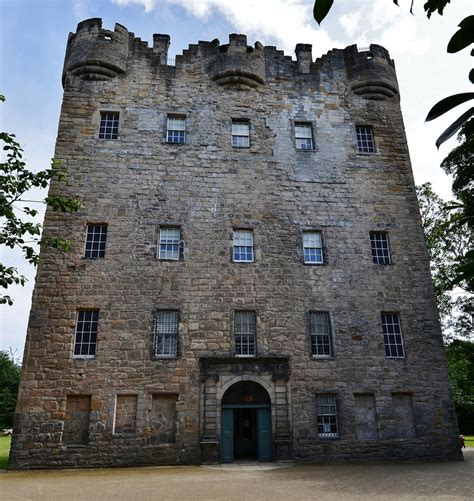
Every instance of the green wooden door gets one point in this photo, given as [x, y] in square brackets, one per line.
[264, 427]
[227, 436]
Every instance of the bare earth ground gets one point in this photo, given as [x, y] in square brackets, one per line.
[326, 481]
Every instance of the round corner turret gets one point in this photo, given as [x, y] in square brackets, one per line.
[238, 65]
[94, 53]
[371, 72]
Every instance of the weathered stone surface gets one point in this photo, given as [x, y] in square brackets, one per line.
[139, 183]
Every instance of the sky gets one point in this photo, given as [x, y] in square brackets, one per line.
[33, 36]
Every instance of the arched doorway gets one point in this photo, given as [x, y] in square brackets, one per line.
[246, 427]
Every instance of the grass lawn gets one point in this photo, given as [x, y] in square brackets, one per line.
[469, 440]
[5, 450]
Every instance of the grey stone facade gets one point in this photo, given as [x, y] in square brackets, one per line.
[124, 405]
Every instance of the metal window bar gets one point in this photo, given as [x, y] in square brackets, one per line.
[96, 237]
[365, 139]
[303, 136]
[109, 123]
[240, 134]
[392, 335]
[176, 130]
[243, 246]
[321, 335]
[379, 246]
[85, 342]
[166, 333]
[326, 409]
[245, 333]
[312, 247]
[170, 241]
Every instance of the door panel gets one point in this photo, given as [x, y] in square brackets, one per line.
[227, 436]
[264, 427]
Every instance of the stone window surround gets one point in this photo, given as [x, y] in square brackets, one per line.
[329, 392]
[305, 124]
[154, 355]
[372, 234]
[180, 115]
[322, 232]
[80, 356]
[303, 121]
[233, 333]
[86, 228]
[96, 118]
[241, 120]
[254, 247]
[166, 226]
[332, 336]
[402, 338]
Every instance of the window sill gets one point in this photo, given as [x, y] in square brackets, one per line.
[325, 438]
[308, 263]
[165, 357]
[322, 357]
[245, 356]
[367, 153]
[83, 357]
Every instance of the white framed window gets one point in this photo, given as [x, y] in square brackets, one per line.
[392, 335]
[326, 410]
[176, 129]
[96, 237]
[240, 133]
[166, 333]
[85, 342]
[365, 139]
[380, 249]
[303, 136]
[170, 243]
[312, 247]
[321, 334]
[245, 331]
[243, 246]
[109, 124]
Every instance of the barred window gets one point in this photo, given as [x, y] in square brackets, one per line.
[85, 342]
[240, 134]
[321, 335]
[392, 335]
[176, 129]
[109, 123]
[243, 246]
[326, 409]
[96, 237]
[245, 333]
[303, 136]
[365, 139]
[312, 247]
[379, 244]
[170, 242]
[166, 333]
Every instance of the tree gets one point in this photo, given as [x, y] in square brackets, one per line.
[447, 243]
[9, 380]
[460, 355]
[16, 230]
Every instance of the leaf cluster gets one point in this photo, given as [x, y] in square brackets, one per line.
[10, 372]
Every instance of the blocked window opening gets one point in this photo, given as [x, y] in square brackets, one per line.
[125, 414]
[403, 415]
[365, 416]
[163, 419]
[76, 420]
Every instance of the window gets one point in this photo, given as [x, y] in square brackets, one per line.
[303, 136]
[176, 129]
[170, 243]
[85, 343]
[326, 409]
[96, 237]
[245, 333]
[365, 139]
[321, 336]
[166, 333]
[379, 244]
[109, 123]
[312, 247]
[243, 246]
[392, 335]
[240, 134]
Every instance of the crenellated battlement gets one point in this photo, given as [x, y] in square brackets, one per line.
[94, 53]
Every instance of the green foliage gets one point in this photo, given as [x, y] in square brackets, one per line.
[435, 5]
[447, 243]
[463, 37]
[9, 380]
[460, 355]
[16, 231]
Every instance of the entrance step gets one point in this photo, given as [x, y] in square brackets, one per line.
[249, 466]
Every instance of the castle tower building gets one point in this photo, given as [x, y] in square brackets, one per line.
[248, 278]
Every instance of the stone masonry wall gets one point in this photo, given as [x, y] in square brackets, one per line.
[138, 183]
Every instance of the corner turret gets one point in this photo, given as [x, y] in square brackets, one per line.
[371, 72]
[93, 53]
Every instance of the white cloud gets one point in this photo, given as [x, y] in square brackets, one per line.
[148, 5]
[350, 22]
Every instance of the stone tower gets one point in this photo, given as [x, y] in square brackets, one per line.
[248, 278]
